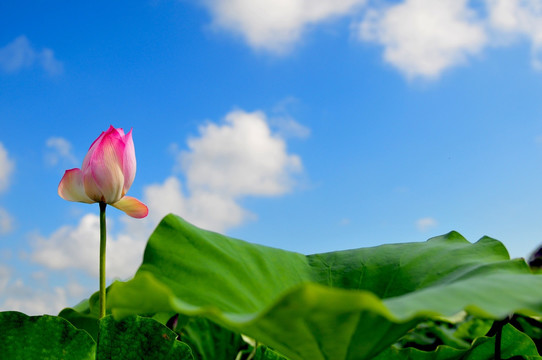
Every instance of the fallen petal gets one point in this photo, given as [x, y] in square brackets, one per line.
[131, 206]
[71, 187]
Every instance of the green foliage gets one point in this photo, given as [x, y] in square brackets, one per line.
[265, 353]
[26, 337]
[139, 338]
[472, 328]
[430, 334]
[340, 305]
[531, 327]
[197, 292]
[82, 318]
[514, 343]
[210, 341]
[51, 337]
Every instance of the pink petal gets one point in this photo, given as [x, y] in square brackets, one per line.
[90, 152]
[129, 161]
[94, 143]
[71, 187]
[102, 168]
[131, 206]
[119, 130]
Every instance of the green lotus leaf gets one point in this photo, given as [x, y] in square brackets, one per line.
[514, 344]
[53, 337]
[265, 353]
[137, 337]
[210, 341]
[342, 305]
[26, 337]
[81, 317]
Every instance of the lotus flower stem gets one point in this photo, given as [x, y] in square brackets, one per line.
[103, 237]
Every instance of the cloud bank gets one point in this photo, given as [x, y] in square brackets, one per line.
[420, 38]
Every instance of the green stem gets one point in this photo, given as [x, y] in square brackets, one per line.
[102, 259]
[498, 327]
[498, 341]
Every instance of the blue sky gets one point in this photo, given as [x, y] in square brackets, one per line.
[308, 125]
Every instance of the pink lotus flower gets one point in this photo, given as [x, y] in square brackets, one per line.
[106, 175]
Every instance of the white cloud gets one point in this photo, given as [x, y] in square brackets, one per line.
[70, 247]
[516, 19]
[19, 54]
[15, 295]
[47, 60]
[421, 38]
[77, 247]
[76, 290]
[6, 221]
[165, 198]
[39, 275]
[226, 162]
[60, 149]
[5, 274]
[205, 209]
[33, 302]
[284, 124]
[238, 158]
[7, 166]
[426, 223]
[424, 37]
[289, 128]
[275, 25]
